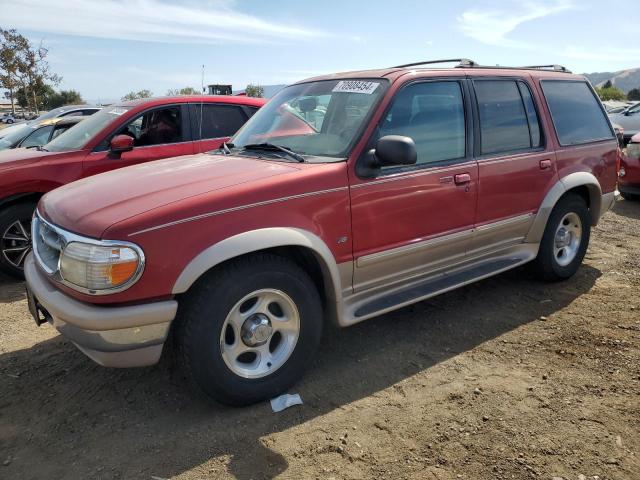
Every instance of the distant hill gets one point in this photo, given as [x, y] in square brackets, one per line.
[625, 80]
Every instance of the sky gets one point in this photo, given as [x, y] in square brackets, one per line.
[106, 48]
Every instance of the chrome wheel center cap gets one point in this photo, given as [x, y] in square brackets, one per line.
[563, 238]
[256, 330]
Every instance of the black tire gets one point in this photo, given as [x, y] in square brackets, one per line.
[204, 309]
[9, 216]
[630, 197]
[546, 264]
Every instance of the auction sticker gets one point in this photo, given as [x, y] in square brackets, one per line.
[355, 86]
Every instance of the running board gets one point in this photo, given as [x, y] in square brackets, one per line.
[436, 285]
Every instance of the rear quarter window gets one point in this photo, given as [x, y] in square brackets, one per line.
[576, 113]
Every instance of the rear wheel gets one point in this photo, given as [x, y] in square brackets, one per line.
[247, 331]
[565, 239]
[15, 238]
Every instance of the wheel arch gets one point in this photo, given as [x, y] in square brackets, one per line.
[303, 247]
[584, 184]
[20, 198]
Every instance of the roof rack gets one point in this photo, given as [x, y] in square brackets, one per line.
[554, 67]
[462, 62]
[467, 63]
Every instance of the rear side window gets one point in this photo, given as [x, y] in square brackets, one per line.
[217, 120]
[508, 120]
[432, 114]
[576, 113]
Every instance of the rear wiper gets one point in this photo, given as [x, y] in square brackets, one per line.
[274, 147]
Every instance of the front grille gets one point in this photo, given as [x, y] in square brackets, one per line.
[47, 244]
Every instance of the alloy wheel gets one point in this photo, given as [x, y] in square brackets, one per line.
[15, 243]
[260, 333]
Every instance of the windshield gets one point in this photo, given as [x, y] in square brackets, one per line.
[14, 137]
[77, 137]
[318, 118]
[51, 114]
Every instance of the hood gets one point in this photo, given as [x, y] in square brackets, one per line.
[20, 156]
[91, 205]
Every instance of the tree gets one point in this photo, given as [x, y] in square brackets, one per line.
[607, 84]
[610, 93]
[64, 97]
[172, 92]
[634, 94]
[25, 68]
[137, 95]
[254, 91]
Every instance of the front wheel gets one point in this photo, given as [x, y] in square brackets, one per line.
[15, 238]
[248, 330]
[565, 239]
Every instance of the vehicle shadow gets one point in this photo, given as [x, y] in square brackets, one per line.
[628, 208]
[11, 289]
[65, 417]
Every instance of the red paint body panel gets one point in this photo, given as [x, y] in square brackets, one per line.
[234, 181]
[24, 171]
[632, 168]
[176, 208]
[412, 207]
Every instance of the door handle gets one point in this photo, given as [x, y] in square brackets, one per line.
[545, 164]
[462, 178]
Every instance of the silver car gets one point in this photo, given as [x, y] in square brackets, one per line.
[629, 120]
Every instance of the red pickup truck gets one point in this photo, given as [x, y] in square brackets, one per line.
[115, 137]
[345, 197]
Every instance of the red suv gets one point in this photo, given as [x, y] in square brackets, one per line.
[117, 136]
[345, 197]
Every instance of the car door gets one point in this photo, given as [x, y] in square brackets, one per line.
[516, 164]
[159, 132]
[410, 220]
[214, 123]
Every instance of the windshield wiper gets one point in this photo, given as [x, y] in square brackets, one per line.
[226, 148]
[274, 147]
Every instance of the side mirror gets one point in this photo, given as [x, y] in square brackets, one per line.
[394, 150]
[391, 150]
[121, 143]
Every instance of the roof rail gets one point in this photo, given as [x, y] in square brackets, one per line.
[462, 62]
[555, 67]
[467, 63]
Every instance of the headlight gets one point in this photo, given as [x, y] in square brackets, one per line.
[97, 267]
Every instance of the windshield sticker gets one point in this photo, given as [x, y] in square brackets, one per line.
[117, 111]
[355, 86]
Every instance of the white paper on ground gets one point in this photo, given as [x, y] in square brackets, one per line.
[285, 401]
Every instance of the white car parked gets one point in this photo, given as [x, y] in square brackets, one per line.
[8, 118]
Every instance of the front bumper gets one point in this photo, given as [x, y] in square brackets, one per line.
[129, 336]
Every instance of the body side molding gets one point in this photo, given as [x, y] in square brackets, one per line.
[261, 239]
[576, 179]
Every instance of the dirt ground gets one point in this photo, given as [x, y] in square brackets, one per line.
[506, 378]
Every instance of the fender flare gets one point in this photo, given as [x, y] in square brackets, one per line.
[256, 240]
[573, 180]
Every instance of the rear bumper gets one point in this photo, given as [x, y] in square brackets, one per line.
[129, 336]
